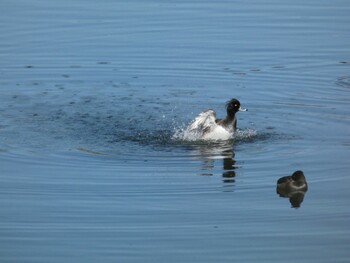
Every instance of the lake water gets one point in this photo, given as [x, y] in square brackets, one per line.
[93, 92]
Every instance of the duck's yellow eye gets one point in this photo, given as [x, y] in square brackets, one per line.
[236, 105]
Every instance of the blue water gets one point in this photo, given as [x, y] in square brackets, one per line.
[93, 92]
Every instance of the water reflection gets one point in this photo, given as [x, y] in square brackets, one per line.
[229, 166]
[295, 198]
[293, 187]
[209, 153]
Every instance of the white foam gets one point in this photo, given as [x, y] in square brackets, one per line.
[184, 134]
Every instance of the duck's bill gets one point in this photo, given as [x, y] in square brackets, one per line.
[242, 109]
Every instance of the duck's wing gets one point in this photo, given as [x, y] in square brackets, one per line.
[204, 122]
[284, 180]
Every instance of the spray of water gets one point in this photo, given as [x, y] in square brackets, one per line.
[184, 134]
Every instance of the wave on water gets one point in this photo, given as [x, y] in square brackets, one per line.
[96, 125]
[343, 81]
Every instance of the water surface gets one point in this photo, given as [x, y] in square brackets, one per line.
[91, 95]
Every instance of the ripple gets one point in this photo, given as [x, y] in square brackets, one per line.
[343, 81]
[135, 130]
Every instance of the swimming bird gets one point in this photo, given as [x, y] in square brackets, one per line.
[207, 127]
[295, 182]
[294, 187]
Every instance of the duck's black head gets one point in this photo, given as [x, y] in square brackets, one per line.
[298, 176]
[233, 106]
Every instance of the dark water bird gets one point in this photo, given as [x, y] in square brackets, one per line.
[294, 187]
[208, 127]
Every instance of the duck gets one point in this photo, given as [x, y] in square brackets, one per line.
[292, 183]
[294, 187]
[207, 127]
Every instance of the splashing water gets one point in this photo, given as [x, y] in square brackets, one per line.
[184, 134]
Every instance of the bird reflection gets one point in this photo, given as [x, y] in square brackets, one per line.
[294, 187]
[229, 167]
[208, 153]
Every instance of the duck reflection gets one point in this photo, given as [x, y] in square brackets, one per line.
[209, 153]
[294, 187]
[229, 166]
